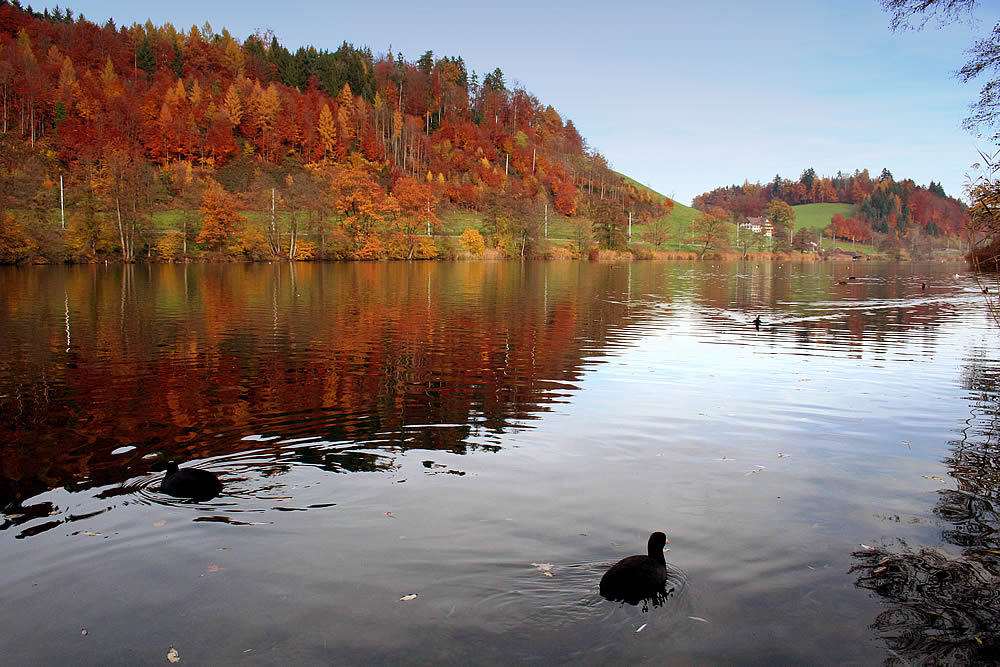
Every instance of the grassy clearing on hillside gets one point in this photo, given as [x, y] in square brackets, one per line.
[817, 216]
[680, 218]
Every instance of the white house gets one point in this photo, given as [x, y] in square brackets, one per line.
[758, 225]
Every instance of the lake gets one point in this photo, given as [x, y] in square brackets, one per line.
[434, 463]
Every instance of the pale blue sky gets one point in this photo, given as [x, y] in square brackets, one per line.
[681, 96]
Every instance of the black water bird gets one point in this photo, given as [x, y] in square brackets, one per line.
[757, 322]
[190, 483]
[638, 577]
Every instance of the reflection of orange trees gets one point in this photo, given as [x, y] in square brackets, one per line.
[365, 354]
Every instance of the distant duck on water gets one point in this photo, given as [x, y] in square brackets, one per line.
[190, 483]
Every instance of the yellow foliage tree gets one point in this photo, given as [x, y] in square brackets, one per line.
[472, 241]
[327, 129]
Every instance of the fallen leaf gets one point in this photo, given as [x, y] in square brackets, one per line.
[544, 568]
[90, 534]
[934, 477]
[879, 570]
[173, 655]
[159, 523]
[407, 598]
[214, 568]
[905, 442]
[389, 514]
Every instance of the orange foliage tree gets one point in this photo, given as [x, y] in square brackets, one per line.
[220, 221]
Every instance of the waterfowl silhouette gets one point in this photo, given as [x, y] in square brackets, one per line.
[757, 322]
[190, 483]
[638, 577]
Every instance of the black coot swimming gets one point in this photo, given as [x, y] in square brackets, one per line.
[190, 483]
[638, 577]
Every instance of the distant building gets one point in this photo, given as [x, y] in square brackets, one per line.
[758, 225]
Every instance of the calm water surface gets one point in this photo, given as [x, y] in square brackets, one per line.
[490, 438]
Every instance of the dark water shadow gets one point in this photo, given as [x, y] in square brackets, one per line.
[942, 608]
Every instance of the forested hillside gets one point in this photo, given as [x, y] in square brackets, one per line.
[129, 142]
[884, 211]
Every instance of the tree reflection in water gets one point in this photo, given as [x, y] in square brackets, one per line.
[943, 609]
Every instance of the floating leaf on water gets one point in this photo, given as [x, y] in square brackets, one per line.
[905, 442]
[544, 568]
[978, 640]
[226, 519]
[214, 568]
[90, 534]
[698, 618]
[934, 477]
[159, 523]
[407, 598]
[389, 514]
[865, 546]
[782, 455]
[640, 628]
[173, 655]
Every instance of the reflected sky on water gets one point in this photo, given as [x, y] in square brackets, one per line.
[490, 437]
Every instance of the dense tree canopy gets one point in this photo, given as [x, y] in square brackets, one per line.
[257, 118]
[896, 209]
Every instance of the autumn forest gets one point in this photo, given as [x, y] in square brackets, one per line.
[149, 141]
[152, 142]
